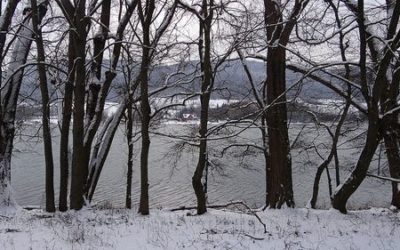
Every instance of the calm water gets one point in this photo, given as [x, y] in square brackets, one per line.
[236, 178]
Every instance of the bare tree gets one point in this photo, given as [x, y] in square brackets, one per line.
[6, 130]
[376, 82]
[336, 135]
[146, 16]
[107, 131]
[380, 93]
[87, 120]
[10, 90]
[204, 47]
[279, 169]
[209, 16]
[48, 149]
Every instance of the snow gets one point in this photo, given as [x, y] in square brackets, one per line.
[110, 108]
[8, 205]
[38, 120]
[191, 122]
[327, 106]
[195, 103]
[124, 229]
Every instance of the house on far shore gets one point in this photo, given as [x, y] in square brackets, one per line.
[188, 116]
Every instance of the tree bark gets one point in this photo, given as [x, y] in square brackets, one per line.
[279, 168]
[146, 15]
[96, 158]
[145, 124]
[48, 149]
[9, 97]
[129, 137]
[350, 185]
[376, 96]
[6, 132]
[206, 88]
[332, 154]
[101, 150]
[79, 171]
[390, 138]
[64, 140]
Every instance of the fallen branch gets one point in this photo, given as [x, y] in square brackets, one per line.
[384, 178]
[252, 237]
[209, 206]
[251, 211]
[29, 208]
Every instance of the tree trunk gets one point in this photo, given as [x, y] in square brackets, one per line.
[6, 199]
[393, 155]
[48, 149]
[64, 145]
[353, 181]
[144, 154]
[332, 154]
[206, 89]
[6, 19]
[65, 129]
[129, 128]
[101, 149]
[87, 120]
[279, 169]
[146, 15]
[317, 179]
[264, 134]
[79, 171]
[9, 97]
[198, 174]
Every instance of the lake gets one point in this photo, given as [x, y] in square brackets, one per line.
[236, 177]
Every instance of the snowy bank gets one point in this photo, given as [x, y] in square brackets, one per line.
[125, 229]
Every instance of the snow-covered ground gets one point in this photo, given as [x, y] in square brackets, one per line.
[125, 229]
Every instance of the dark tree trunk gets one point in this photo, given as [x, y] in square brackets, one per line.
[332, 154]
[65, 129]
[198, 174]
[264, 134]
[6, 147]
[64, 144]
[129, 134]
[392, 151]
[279, 169]
[96, 158]
[48, 149]
[144, 154]
[317, 179]
[393, 155]
[79, 171]
[391, 135]
[146, 19]
[351, 184]
[206, 88]
[86, 121]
